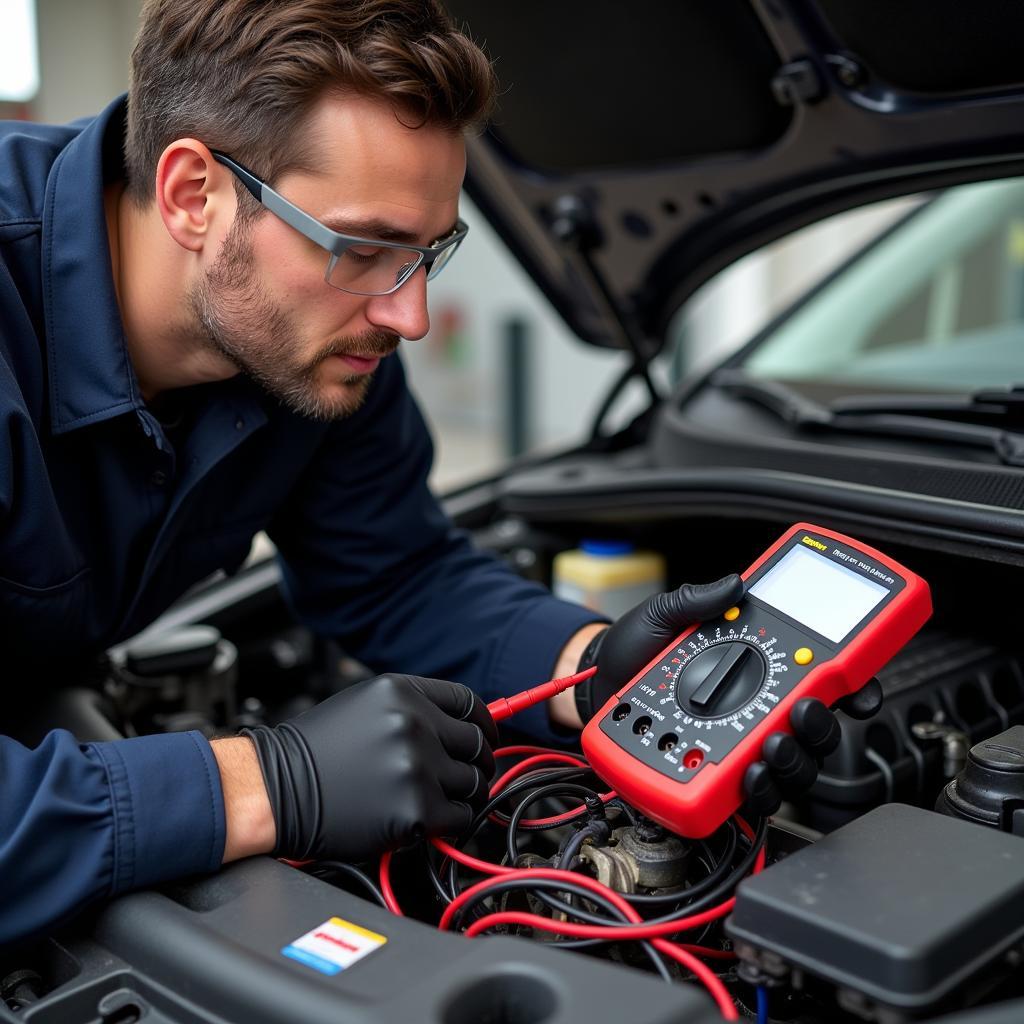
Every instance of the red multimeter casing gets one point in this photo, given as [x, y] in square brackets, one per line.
[676, 740]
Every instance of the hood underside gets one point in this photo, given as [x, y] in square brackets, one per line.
[639, 148]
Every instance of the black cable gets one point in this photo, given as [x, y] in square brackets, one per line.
[517, 814]
[536, 885]
[568, 820]
[572, 847]
[353, 872]
[527, 782]
[624, 807]
[433, 873]
[542, 776]
[885, 770]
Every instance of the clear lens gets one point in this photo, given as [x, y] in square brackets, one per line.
[372, 270]
[442, 260]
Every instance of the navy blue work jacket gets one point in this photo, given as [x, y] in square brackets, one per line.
[104, 520]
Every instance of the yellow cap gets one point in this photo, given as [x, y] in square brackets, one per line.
[803, 656]
[732, 614]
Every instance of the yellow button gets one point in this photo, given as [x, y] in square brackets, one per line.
[732, 614]
[803, 656]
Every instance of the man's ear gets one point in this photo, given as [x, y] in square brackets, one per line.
[193, 193]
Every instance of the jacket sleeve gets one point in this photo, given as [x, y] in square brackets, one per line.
[368, 556]
[80, 823]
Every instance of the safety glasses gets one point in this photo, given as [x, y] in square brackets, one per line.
[361, 266]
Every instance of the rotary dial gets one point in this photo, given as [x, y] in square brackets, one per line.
[721, 677]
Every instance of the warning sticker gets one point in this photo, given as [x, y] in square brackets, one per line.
[334, 945]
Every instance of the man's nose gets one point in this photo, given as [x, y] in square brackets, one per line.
[405, 311]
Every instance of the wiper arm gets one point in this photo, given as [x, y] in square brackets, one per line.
[787, 403]
[993, 404]
[793, 407]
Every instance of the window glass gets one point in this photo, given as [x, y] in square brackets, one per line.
[936, 304]
[740, 301]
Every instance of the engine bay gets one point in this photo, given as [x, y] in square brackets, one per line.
[859, 901]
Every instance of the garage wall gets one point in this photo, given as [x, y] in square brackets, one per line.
[83, 55]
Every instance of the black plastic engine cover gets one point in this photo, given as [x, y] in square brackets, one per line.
[210, 952]
[902, 905]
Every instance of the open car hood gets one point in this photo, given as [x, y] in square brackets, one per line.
[639, 148]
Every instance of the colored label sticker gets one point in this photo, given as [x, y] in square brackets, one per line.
[333, 946]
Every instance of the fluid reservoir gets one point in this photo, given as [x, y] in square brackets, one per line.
[609, 576]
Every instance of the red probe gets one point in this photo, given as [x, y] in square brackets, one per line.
[506, 707]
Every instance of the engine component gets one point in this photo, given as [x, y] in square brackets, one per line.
[648, 858]
[990, 789]
[897, 909]
[182, 679]
[942, 693]
[953, 742]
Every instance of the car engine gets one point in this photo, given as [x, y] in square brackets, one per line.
[893, 891]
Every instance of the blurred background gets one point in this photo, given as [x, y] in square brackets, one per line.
[499, 374]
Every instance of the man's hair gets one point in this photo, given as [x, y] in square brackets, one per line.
[242, 75]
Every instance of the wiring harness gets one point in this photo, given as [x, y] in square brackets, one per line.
[551, 897]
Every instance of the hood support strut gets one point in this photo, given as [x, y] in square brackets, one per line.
[573, 223]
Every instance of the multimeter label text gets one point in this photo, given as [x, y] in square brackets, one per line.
[869, 569]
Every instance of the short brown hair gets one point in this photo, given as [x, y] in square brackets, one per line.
[241, 75]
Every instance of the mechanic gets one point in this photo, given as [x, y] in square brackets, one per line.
[188, 358]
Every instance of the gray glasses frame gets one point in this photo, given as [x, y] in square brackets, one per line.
[335, 242]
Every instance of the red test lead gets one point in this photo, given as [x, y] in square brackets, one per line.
[506, 707]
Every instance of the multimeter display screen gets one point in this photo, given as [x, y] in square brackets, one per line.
[823, 595]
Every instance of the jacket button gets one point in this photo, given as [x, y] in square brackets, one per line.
[159, 478]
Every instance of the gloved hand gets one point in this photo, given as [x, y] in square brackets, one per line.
[644, 631]
[790, 763]
[377, 766]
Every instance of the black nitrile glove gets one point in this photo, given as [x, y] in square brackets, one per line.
[377, 766]
[644, 631]
[790, 763]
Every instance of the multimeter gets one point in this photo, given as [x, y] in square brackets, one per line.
[822, 613]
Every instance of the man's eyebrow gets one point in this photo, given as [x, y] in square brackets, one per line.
[372, 227]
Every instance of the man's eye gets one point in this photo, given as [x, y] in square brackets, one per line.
[364, 252]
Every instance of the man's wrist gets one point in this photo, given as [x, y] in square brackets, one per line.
[249, 821]
[562, 707]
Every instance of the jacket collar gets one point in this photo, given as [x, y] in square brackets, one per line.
[90, 374]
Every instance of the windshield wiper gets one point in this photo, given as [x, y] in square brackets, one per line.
[907, 416]
[990, 404]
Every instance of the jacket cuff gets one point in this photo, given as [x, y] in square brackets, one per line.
[527, 657]
[168, 808]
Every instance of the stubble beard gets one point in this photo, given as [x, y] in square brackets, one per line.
[239, 321]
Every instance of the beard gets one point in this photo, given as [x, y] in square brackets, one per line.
[239, 321]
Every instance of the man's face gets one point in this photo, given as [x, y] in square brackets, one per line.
[263, 303]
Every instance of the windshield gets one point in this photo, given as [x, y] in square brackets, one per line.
[935, 305]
